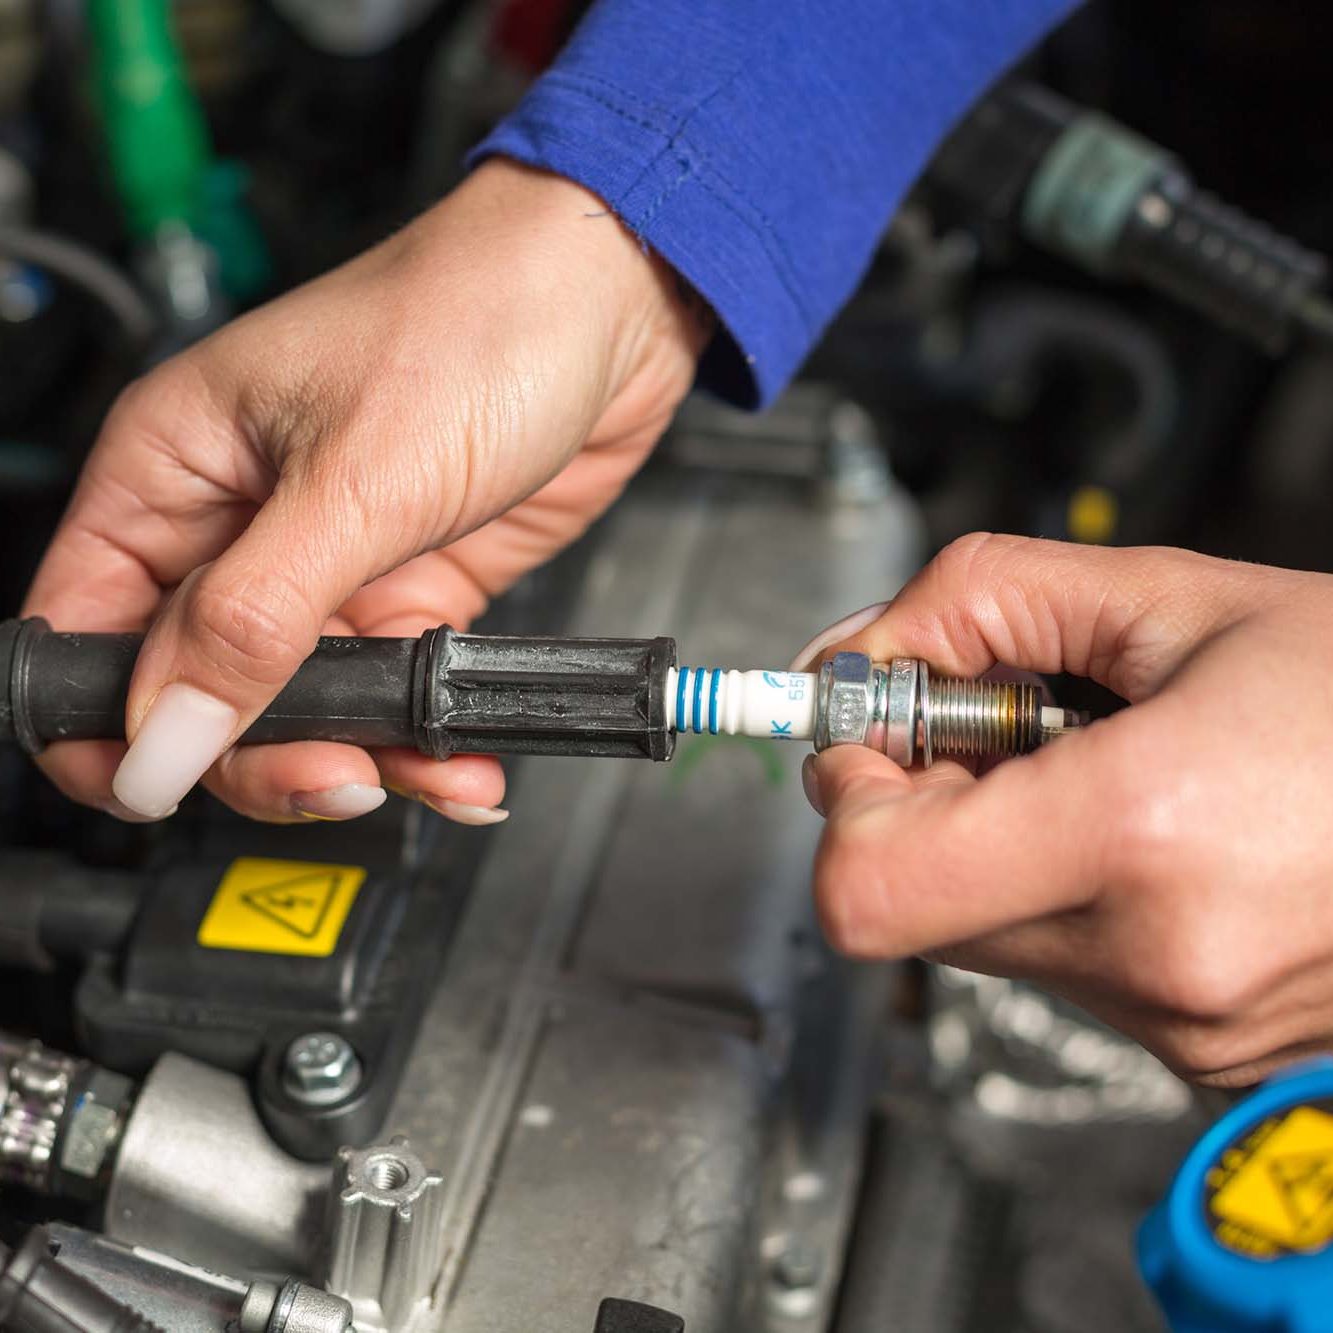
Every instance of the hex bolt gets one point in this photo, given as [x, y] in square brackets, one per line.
[321, 1069]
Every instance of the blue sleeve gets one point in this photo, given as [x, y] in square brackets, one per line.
[761, 146]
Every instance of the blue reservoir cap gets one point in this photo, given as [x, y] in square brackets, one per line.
[1243, 1242]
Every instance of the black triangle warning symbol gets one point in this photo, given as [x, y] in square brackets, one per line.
[299, 904]
[1304, 1181]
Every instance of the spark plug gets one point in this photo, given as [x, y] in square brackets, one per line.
[447, 693]
[899, 708]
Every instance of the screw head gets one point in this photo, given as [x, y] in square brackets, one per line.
[321, 1068]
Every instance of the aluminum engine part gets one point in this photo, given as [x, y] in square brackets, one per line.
[1025, 1057]
[40, 1294]
[171, 1294]
[185, 1299]
[606, 1077]
[199, 1178]
[384, 1234]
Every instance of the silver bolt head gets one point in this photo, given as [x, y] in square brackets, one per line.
[321, 1068]
[851, 709]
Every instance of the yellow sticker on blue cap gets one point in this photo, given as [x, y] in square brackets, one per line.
[1271, 1192]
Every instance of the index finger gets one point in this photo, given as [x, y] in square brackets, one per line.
[1126, 618]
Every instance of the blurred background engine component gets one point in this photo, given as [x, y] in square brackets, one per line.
[1080, 185]
[354, 27]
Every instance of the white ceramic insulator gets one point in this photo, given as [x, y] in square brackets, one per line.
[777, 705]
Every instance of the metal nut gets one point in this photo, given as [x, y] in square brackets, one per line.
[853, 702]
[321, 1068]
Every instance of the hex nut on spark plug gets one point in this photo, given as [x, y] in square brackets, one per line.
[852, 703]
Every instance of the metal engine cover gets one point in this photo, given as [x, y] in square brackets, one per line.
[642, 1075]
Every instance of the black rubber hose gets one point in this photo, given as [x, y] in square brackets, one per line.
[56, 908]
[441, 694]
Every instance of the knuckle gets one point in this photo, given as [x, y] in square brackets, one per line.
[133, 399]
[1197, 976]
[246, 630]
[958, 563]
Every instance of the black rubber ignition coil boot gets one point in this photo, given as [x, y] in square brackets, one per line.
[38, 1294]
[1076, 183]
[442, 694]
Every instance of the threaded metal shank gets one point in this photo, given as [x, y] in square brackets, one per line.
[973, 718]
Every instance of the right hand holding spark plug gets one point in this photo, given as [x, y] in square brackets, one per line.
[1167, 869]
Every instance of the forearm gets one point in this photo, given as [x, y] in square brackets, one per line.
[761, 148]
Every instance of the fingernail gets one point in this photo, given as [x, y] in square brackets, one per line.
[844, 629]
[475, 815]
[127, 816]
[180, 739]
[346, 802]
[810, 782]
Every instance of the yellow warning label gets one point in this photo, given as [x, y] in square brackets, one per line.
[1272, 1192]
[289, 907]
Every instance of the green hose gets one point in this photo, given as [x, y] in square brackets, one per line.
[161, 156]
[155, 129]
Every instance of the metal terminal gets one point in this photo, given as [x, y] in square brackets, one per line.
[34, 1095]
[385, 1234]
[321, 1069]
[61, 1120]
[293, 1307]
[905, 711]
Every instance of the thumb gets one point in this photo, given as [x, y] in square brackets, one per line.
[231, 637]
[909, 866]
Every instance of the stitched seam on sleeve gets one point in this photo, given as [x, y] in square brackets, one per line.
[779, 248]
[668, 121]
[566, 83]
[758, 224]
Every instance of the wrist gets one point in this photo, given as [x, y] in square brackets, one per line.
[569, 254]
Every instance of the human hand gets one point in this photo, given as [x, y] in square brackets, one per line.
[1168, 868]
[378, 452]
